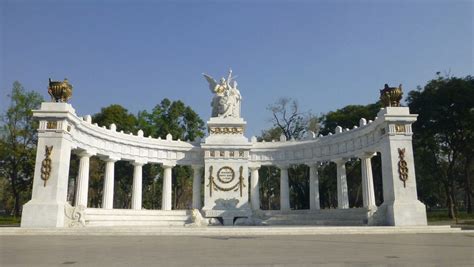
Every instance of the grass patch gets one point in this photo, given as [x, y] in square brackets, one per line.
[442, 215]
[9, 220]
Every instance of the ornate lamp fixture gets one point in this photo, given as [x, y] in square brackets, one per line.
[391, 96]
[60, 91]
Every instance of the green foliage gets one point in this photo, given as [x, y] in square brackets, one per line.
[174, 118]
[444, 140]
[18, 140]
[119, 115]
[167, 117]
[293, 123]
[347, 117]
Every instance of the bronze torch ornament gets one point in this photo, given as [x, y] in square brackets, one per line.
[60, 91]
[391, 96]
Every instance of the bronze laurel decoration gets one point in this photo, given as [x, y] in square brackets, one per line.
[46, 164]
[402, 166]
[241, 180]
[211, 181]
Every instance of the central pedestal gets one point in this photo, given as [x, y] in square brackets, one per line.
[226, 151]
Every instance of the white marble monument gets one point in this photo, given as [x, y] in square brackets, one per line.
[231, 165]
[226, 154]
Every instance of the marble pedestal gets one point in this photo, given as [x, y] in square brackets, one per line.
[226, 185]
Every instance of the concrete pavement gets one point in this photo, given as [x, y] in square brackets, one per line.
[436, 249]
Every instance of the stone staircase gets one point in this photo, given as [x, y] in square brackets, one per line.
[127, 217]
[326, 217]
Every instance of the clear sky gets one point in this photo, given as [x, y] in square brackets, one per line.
[324, 54]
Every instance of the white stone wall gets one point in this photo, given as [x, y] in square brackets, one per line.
[65, 131]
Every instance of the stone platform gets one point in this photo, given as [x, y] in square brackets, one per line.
[230, 231]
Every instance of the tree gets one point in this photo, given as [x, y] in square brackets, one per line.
[179, 120]
[347, 117]
[18, 140]
[173, 118]
[118, 115]
[292, 123]
[289, 121]
[444, 134]
[126, 122]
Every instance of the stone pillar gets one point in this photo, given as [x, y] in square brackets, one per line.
[314, 187]
[108, 195]
[255, 188]
[284, 189]
[197, 177]
[48, 202]
[368, 195]
[342, 191]
[166, 197]
[82, 189]
[401, 205]
[137, 186]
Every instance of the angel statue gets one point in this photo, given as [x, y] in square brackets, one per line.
[227, 99]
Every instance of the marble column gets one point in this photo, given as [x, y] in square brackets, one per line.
[108, 195]
[284, 189]
[166, 196]
[342, 191]
[368, 195]
[82, 188]
[314, 187]
[137, 186]
[197, 177]
[254, 188]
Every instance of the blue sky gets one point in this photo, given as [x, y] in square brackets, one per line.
[324, 54]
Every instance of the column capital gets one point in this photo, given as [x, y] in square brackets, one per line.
[110, 159]
[194, 167]
[254, 167]
[340, 161]
[168, 165]
[283, 166]
[85, 154]
[366, 155]
[313, 164]
[139, 163]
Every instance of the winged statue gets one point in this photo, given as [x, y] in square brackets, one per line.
[227, 99]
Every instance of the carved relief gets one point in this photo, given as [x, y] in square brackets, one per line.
[400, 128]
[225, 175]
[46, 164]
[226, 130]
[402, 166]
[52, 125]
[74, 216]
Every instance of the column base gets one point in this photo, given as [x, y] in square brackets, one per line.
[400, 213]
[43, 214]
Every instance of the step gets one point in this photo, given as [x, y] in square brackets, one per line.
[136, 212]
[317, 222]
[135, 223]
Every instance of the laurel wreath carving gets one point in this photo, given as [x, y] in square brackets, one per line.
[213, 186]
[402, 166]
[46, 164]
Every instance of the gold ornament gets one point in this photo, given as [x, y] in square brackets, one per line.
[391, 96]
[46, 164]
[402, 166]
[60, 91]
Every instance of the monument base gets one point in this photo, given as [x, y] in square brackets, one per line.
[400, 213]
[228, 216]
[39, 214]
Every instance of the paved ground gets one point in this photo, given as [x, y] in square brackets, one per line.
[455, 249]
